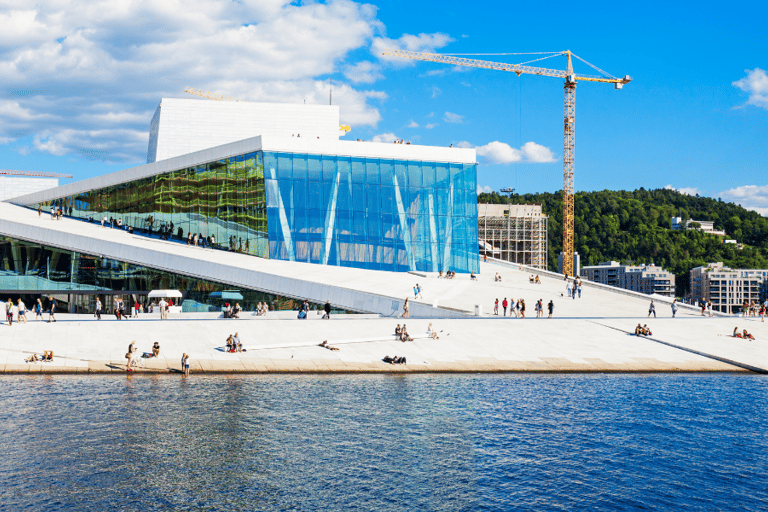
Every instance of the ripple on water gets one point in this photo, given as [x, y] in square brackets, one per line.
[394, 442]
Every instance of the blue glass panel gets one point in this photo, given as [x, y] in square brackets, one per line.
[428, 174]
[388, 203]
[300, 167]
[358, 226]
[443, 205]
[329, 168]
[390, 224]
[300, 197]
[457, 176]
[314, 168]
[470, 176]
[443, 175]
[372, 175]
[343, 225]
[315, 195]
[401, 171]
[374, 227]
[358, 170]
[358, 197]
[414, 175]
[458, 201]
[373, 198]
[284, 166]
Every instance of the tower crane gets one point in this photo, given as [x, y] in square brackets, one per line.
[569, 120]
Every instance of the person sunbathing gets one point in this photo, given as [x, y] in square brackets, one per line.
[431, 332]
[394, 359]
[156, 350]
[325, 344]
[747, 336]
[230, 344]
[647, 330]
[530, 279]
[638, 330]
[404, 335]
[398, 331]
[48, 355]
[33, 359]
[736, 333]
[537, 280]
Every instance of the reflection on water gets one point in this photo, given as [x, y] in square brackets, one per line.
[425, 442]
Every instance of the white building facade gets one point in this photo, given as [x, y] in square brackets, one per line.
[648, 279]
[728, 288]
[19, 183]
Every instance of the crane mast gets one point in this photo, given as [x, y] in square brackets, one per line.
[569, 140]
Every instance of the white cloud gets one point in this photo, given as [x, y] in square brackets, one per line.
[436, 91]
[756, 84]
[689, 191]
[413, 124]
[84, 76]
[463, 144]
[385, 137]
[502, 153]
[485, 189]
[450, 117]
[427, 43]
[365, 72]
[429, 126]
[751, 197]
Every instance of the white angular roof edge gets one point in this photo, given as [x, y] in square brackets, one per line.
[410, 152]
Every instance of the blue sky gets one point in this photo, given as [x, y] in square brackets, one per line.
[81, 79]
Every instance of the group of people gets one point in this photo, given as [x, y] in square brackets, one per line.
[401, 333]
[516, 308]
[573, 288]
[449, 274]
[56, 212]
[47, 357]
[642, 330]
[133, 357]
[19, 310]
[262, 309]
[743, 335]
[752, 309]
[232, 311]
[417, 291]
[533, 280]
[234, 344]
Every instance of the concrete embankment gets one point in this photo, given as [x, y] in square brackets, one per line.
[82, 344]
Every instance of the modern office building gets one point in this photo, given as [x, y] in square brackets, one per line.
[513, 232]
[317, 200]
[648, 279]
[728, 288]
[19, 183]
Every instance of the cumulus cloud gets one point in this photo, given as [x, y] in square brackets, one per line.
[385, 137]
[502, 153]
[429, 126]
[751, 197]
[486, 189]
[413, 124]
[427, 43]
[450, 117]
[756, 84]
[84, 77]
[689, 191]
[363, 72]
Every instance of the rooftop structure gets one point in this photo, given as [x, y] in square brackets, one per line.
[515, 233]
[182, 126]
[15, 183]
[648, 279]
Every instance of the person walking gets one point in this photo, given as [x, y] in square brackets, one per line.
[9, 311]
[522, 308]
[551, 308]
[22, 311]
[38, 309]
[136, 309]
[97, 313]
[415, 291]
[39, 211]
[418, 290]
[327, 309]
[51, 309]
[504, 305]
[53, 213]
[496, 308]
[162, 304]
[652, 310]
[185, 364]
[578, 285]
[406, 314]
[674, 308]
[567, 287]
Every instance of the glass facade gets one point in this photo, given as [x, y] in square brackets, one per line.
[223, 199]
[371, 213]
[32, 269]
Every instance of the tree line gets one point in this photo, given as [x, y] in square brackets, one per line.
[633, 227]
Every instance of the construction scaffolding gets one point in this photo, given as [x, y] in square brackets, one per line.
[514, 233]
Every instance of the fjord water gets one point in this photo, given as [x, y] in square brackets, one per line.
[384, 442]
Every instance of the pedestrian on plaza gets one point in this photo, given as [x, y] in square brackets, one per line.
[652, 310]
[573, 292]
[136, 309]
[97, 313]
[305, 307]
[406, 314]
[504, 305]
[550, 307]
[39, 211]
[496, 308]
[418, 290]
[522, 308]
[22, 311]
[185, 364]
[578, 285]
[567, 287]
[51, 309]
[415, 292]
[674, 308]
[9, 311]
[327, 309]
[53, 213]
[485, 258]
[163, 311]
[38, 310]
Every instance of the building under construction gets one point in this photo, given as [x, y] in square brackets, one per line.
[513, 232]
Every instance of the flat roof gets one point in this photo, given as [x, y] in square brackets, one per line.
[33, 174]
[307, 145]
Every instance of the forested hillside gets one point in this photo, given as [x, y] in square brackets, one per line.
[634, 227]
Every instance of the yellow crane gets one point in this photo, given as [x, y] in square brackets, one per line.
[569, 122]
[211, 96]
